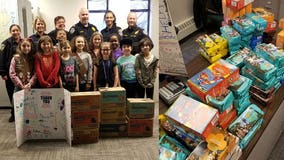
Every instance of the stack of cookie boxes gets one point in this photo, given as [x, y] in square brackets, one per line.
[140, 113]
[280, 35]
[113, 112]
[85, 116]
[212, 47]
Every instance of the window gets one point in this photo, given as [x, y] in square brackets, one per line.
[121, 8]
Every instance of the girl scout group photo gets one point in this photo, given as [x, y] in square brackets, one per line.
[81, 59]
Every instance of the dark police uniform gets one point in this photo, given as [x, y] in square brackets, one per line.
[135, 34]
[107, 32]
[80, 29]
[7, 51]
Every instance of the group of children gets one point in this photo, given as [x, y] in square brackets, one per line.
[71, 65]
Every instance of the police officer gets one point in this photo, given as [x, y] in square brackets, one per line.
[59, 22]
[83, 27]
[7, 50]
[133, 32]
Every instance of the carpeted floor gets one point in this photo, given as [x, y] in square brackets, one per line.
[145, 148]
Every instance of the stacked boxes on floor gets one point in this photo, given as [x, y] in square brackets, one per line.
[233, 37]
[280, 35]
[240, 89]
[271, 24]
[237, 59]
[85, 116]
[113, 112]
[246, 125]
[140, 114]
[212, 47]
[262, 73]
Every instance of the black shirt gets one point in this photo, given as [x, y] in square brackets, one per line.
[107, 32]
[7, 51]
[80, 29]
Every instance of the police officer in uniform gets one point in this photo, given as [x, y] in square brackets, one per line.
[7, 50]
[83, 27]
[133, 32]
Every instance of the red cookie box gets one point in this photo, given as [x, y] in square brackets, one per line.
[193, 116]
[237, 4]
[89, 118]
[214, 79]
[225, 121]
[140, 127]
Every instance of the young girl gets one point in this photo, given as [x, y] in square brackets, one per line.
[126, 69]
[95, 46]
[146, 67]
[106, 72]
[21, 68]
[60, 36]
[47, 63]
[116, 51]
[80, 49]
[68, 73]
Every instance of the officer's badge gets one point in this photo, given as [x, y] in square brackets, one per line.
[72, 30]
[94, 29]
[120, 32]
[136, 32]
[2, 47]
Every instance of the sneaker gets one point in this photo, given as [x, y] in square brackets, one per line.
[11, 119]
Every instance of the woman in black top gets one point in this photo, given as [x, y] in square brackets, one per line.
[111, 27]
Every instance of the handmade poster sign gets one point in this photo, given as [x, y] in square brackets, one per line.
[42, 114]
[171, 58]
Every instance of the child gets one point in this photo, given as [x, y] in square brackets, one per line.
[116, 51]
[21, 68]
[106, 72]
[126, 69]
[146, 66]
[80, 49]
[95, 46]
[68, 73]
[47, 63]
[60, 36]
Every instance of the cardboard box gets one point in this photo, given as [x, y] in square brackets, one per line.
[280, 39]
[238, 4]
[140, 127]
[114, 130]
[89, 118]
[84, 101]
[214, 79]
[113, 95]
[140, 108]
[113, 114]
[81, 136]
[193, 116]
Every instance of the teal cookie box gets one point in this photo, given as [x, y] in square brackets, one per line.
[221, 103]
[240, 87]
[264, 85]
[261, 67]
[246, 125]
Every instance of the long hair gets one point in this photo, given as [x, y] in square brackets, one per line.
[29, 57]
[109, 11]
[44, 39]
[91, 44]
[73, 46]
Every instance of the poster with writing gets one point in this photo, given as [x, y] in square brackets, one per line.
[42, 114]
[171, 58]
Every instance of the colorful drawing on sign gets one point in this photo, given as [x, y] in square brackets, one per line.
[42, 114]
[171, 58]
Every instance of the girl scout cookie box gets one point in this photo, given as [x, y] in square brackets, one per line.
[193, 116]
[214, 79]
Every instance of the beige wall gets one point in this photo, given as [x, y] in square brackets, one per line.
[180, 10]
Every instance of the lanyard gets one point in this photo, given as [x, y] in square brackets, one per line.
[106, 71]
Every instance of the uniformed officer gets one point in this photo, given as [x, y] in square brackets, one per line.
[111, 27]
[83, 27]
[133, 32]
[7, 50]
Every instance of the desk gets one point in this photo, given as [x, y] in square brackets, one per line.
[270, 127]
